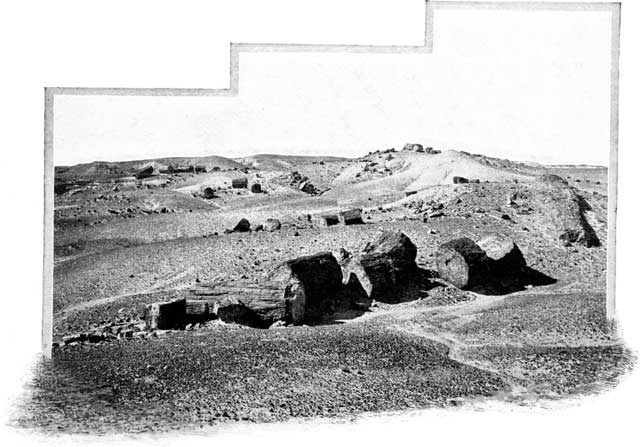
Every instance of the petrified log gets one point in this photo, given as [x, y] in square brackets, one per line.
[351, 217]
[462, 262]
[307, 187]
[457, 179]
[396, 246]
[272, 225]
[564, 211]
[197, 311]
[245, 302]
[504, 255]
[239, 182]
[242, 226]
[385, 263]
[310, 285]
[208, 193]
[167, 315]
[330, 219]
[144, 173]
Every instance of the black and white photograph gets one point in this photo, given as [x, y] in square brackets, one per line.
[414, 218]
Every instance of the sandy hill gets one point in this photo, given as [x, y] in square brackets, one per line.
[392, 174]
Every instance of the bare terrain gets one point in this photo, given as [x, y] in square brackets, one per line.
[127, 236]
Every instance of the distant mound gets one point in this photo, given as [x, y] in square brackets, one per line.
[273, 162]
[104, 170]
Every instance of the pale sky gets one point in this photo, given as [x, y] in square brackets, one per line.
[524, 85]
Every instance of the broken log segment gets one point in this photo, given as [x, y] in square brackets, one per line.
[264, 302]
[396, 246]
[239, 182]
[462, 263]
[385, 263]
[310, 285]
[504, 255]
[167, 315]
[242, 226]
[351, 217]
[330, 219]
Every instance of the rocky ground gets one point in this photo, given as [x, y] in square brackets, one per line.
[120, 245]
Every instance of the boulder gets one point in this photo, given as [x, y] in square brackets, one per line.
[166, 315]
[462, 263]
[505, 257]
[272, 225]
[242, 226]
[256, 188]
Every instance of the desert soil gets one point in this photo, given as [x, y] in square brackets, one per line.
[121, 244]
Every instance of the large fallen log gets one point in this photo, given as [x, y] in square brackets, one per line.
[564, 210]
[311, 284]
[462, 263]
[167, 315]
[298, 290]
[244, 302]
[386, 262]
